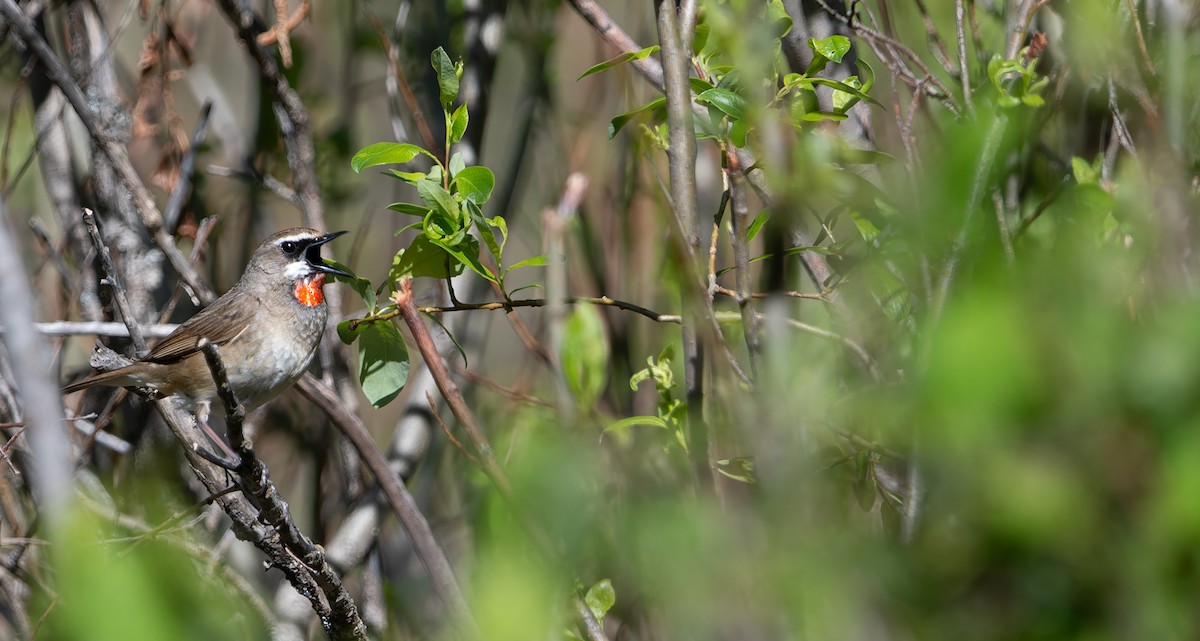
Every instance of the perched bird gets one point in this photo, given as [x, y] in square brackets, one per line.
[268, 326]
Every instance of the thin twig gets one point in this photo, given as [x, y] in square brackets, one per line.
[740, 214]
[187, 168]
[964, 67]
[118, 289]
[446, 430]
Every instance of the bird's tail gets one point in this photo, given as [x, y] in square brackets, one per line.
[115, 378]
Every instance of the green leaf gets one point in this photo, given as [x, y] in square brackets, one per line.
[458, 123]
[536, 261]
[456, 164]
[447, 76]
[410, 177]
[738, 132]
[410, 209]
[739, 469]
[832, 48]
[386, 153]
[699, 86]
[423, 258]
[360, 285]
[467, 253]
[618, 123]
[438, 199]
[1084, 173]
[729, 102]
[867, 74]
[843, 88]
[583, 355]
[634, 421]
[383, 360]
[475, 183]
[600, 598]
[757, 224]
[484, 227]
[617, 61]
[781, 22]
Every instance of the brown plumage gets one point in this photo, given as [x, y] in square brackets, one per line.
[268, 326]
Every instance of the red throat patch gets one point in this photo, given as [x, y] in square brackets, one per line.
[308, 291]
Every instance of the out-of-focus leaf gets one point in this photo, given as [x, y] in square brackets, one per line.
[617, 61]
[654, 107]
[600, 598]
[583, 354]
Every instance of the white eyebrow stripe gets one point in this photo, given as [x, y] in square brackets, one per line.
[295, 238]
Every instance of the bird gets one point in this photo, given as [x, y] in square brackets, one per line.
[267, 326]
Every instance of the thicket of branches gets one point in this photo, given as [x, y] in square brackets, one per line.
[711, 320]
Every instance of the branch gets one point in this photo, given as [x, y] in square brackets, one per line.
[118, 289]
[483, 448]
[112, 150]
[41, 402]
[343, 622]
[426, 547]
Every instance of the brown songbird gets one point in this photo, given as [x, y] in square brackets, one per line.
[268, 326]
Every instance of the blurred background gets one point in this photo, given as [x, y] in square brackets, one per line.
[955, 395]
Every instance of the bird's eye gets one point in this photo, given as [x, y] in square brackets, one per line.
[289, 246]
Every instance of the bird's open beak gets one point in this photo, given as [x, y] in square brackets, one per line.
[313, 255]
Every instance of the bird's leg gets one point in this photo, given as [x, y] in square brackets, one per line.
[227, 459]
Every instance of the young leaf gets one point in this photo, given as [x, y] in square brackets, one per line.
[458, 123]
[600, 598]
[584, 355]
[536, 261]
[438, 199]
[757, 224]
[457, 164]
[410, 209]
[618, 123]
[851, 86]
[447, 77]
[475, 183]
[832, 48]
[467, 253]
[383, 361]
[619, 60]
[386, 153]
[730, 103]
[484, 227]
[423, 258]
[410, 177]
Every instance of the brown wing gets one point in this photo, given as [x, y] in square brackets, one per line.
[220, 323]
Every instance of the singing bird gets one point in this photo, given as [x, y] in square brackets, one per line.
[268, 326]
